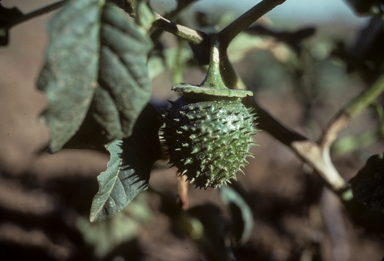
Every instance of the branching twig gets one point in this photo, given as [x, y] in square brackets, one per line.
[174, 14]
[352, 109]
[38, 12]
[307, 150]
[245, 20]
[227, 34]
[318, 154]
[194, 36]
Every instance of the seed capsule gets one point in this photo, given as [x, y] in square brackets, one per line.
[208, 141]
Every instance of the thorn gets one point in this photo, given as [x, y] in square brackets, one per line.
[188, 161]
[195, 150]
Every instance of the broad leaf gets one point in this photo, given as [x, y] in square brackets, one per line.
[129, 167]
[242, 219]
[7, 17]
[96, 68]
[368, 184]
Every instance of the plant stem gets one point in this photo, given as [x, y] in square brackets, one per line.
[38, 12]
[244, 21]
[174, 14]
[182, 188]
[351, 110]
[318, 154]
[193, 36]
[307, 150]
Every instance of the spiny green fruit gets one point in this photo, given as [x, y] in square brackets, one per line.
[208, 140]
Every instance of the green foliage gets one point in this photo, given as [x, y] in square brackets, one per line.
[242, 218]
[123, 228]
[129, 167]
[7, 17]
[203, 224]
[95, 69]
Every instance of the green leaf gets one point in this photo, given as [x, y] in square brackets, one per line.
[7, 17]
[107, 236]
[129, 167]
[144, 15]
[213, 241]
[368, 184]
[242, 218]
[96, 69]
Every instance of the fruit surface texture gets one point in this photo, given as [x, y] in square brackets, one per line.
[208, 141]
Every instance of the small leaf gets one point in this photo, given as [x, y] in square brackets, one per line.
[213, 240]
[368, 184]
[106, 236]
[144, 15]
[241, 213]
[7, 16]
[96, 70]
[129, 167]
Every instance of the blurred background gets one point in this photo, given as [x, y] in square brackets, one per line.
[303, 61]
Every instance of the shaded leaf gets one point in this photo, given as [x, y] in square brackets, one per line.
[128, 6]
[129, 167]
[96, 69]
[368, 184]
[106, 236]
[204, 224]
[213, 240]
[144, 15]
[157, 65]
[242, 218]
[7, 16]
